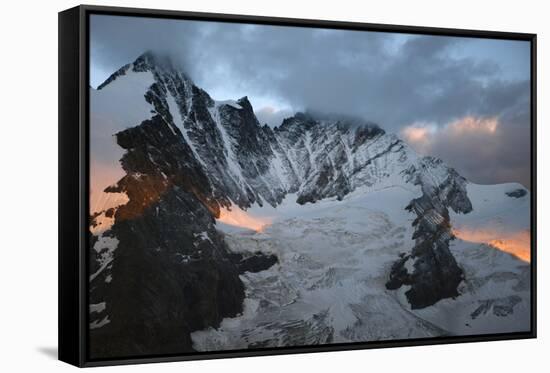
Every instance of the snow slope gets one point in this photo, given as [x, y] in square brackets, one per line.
[334, 259]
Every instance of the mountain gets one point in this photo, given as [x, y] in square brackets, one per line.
[161, 267]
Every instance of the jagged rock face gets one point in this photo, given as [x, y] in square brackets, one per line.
[171, 273]
[250, 152]
[436, 274]
[162, 270]
[324, 154]
[518, 193]
[246, 163]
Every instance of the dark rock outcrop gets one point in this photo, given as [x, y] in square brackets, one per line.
[518, 193]
[171, 273]
[256, 262]
[436, 274]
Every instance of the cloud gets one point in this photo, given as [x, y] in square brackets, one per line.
[420, 136]
[271, 116]
[392, 79]
[476, 146]
[424, 136]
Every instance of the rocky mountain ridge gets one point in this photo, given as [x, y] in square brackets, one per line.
[161, 270]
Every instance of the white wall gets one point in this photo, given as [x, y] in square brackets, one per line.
[28, 156]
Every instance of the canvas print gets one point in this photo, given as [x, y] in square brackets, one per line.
[256, 186]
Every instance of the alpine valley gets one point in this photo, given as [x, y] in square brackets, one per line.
[211, 231]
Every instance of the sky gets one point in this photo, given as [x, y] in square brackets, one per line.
[465, 100]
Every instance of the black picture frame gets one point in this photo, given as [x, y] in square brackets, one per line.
[73, 181]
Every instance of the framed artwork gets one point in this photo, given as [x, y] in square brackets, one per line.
[239, 186]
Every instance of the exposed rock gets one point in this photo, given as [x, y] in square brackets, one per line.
[500, 306]
[171, 268]
[436, 274]
[518, 193]
[253, 263]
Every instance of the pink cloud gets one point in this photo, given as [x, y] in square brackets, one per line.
[424, 137]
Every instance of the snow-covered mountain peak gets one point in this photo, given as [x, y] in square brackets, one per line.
[311, 154]
[163, 67]
[169, 164]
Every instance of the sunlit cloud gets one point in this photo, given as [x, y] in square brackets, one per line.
[424, 136]
[419, 135]
[484, 149]
[416, 134]
[471, 124]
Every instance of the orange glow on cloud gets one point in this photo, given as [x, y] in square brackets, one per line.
[473, 124]
[422, 136]
[416, 134]
[102, 176]
[240, 218]
[515, 243]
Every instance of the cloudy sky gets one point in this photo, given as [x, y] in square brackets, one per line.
[464, 100]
